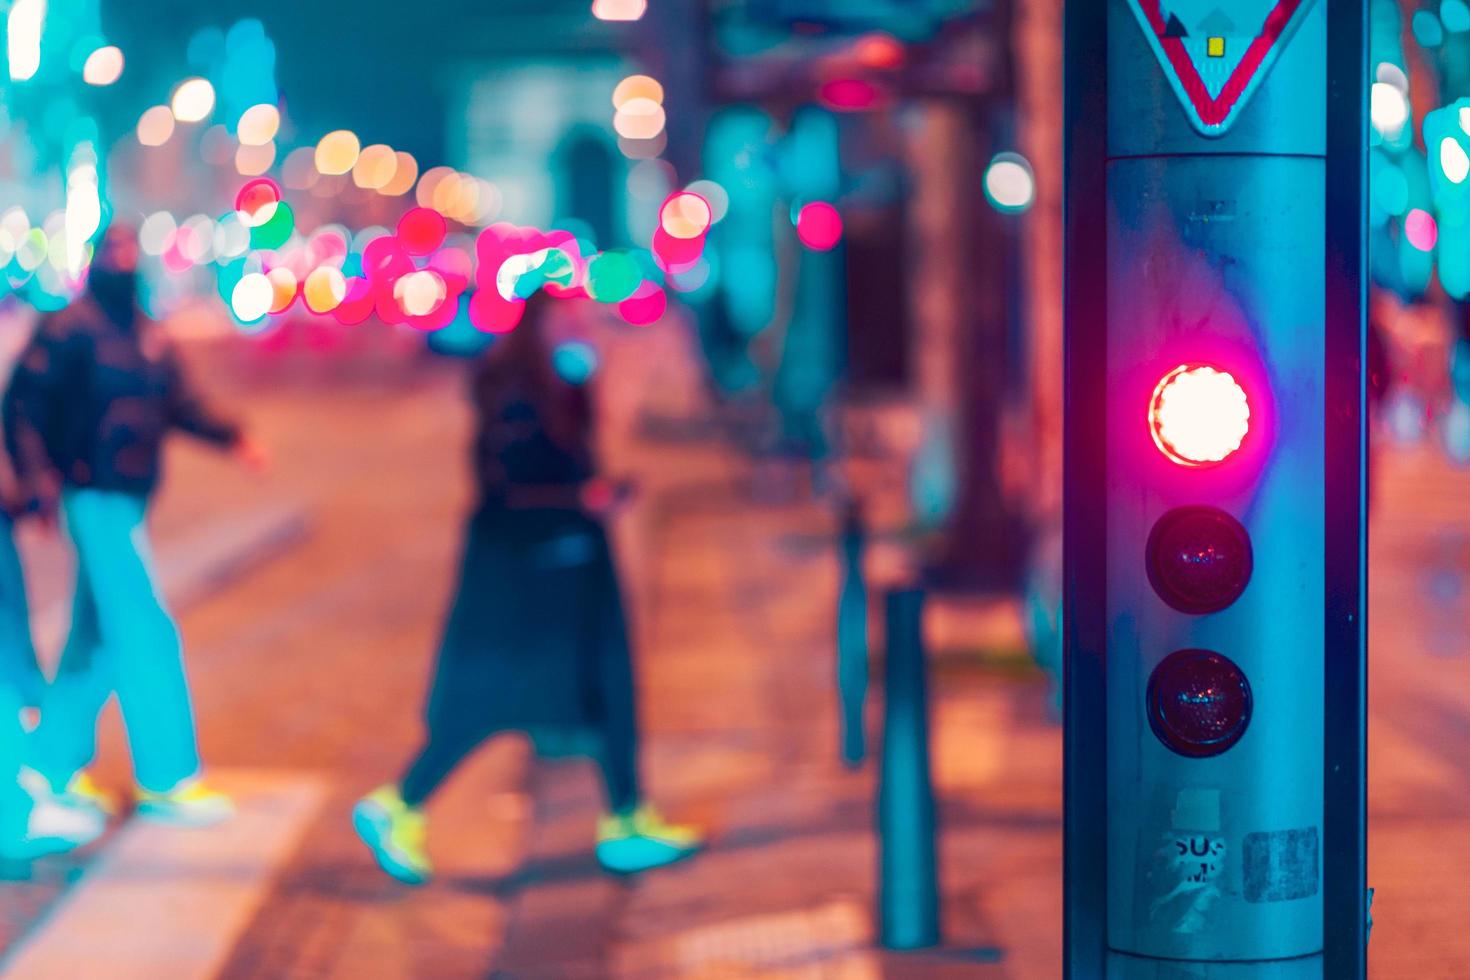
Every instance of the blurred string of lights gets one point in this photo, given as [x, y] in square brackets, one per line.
[421, 273]
[445, 263]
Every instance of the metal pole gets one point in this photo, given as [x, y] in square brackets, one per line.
[1084, 603]
[852, 639]
[1345, 681]
[908, 885]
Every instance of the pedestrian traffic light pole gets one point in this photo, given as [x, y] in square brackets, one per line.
[1215, 582]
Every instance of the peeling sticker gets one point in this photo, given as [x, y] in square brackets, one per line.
[1281, 865]
[1192, 865]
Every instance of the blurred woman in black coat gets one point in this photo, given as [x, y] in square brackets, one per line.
[536, 637]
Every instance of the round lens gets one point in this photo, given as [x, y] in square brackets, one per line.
[1199, 415]
[1199, 703]
[1199, 559]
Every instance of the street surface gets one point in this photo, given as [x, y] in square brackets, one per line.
[309, 639]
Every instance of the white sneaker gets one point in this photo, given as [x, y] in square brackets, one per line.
[56, 823]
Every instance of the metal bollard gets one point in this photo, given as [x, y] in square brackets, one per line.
[852, 640]
[908, 885]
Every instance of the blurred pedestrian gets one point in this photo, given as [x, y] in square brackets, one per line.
[86, 414]
[536, 637]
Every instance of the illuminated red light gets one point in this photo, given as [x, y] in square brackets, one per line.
[1199, 703]
[1198, 415]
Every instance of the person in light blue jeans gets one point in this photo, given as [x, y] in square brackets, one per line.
[142, 661]
[93, 397]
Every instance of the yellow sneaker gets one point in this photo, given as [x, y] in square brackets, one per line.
[643, 840]
[396, 833]
[189, 804]
[83, 787]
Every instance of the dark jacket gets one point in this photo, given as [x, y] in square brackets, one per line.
[532, 442]
[91, 400]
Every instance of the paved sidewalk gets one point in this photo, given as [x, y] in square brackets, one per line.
[740, 710]
[313, 667]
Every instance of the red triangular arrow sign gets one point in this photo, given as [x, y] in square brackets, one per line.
[1215, 60]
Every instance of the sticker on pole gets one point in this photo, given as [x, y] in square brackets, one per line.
[1216, 54]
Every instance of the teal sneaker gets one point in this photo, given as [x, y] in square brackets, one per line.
[396, 833]
[643, 840]
[192, 803]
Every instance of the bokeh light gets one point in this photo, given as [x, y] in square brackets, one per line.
[251, 298]
[514, 268]
[1453, 160]
[375, 167]
[623, 10]
[256, 200]
[337, 152]
[103, 66]
[1456, 16]
[880, 51]
[193, 99]
[429, 184]
[405, 174]
[613, 277]
[258, 125]
[819, 226]
[637, 87]
[850, 94]
[715, 195]
[283, 288]
[23, 38]
[645, 306]
[1421, 229]
[231, 237]
[421, 230]
[574, 362]
[492, 313]
[156, 233]
[155, 126]
[686, 215]
[275, 230]
[420, 292]
[1009, 183]
[1388, 110]
[639, 119]
[324, 290]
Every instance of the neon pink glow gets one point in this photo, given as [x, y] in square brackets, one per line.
[1198, 415]
[421, 230]
[819, 226]
[645, 306]
[1420, 229]
[850, 94]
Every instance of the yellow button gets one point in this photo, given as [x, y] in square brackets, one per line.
[1216, 47]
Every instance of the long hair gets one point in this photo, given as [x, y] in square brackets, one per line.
[518, 366]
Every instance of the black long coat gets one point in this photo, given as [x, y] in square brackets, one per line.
[536, 636]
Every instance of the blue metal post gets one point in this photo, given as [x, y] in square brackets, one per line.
[908, 886]
[852, 640]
